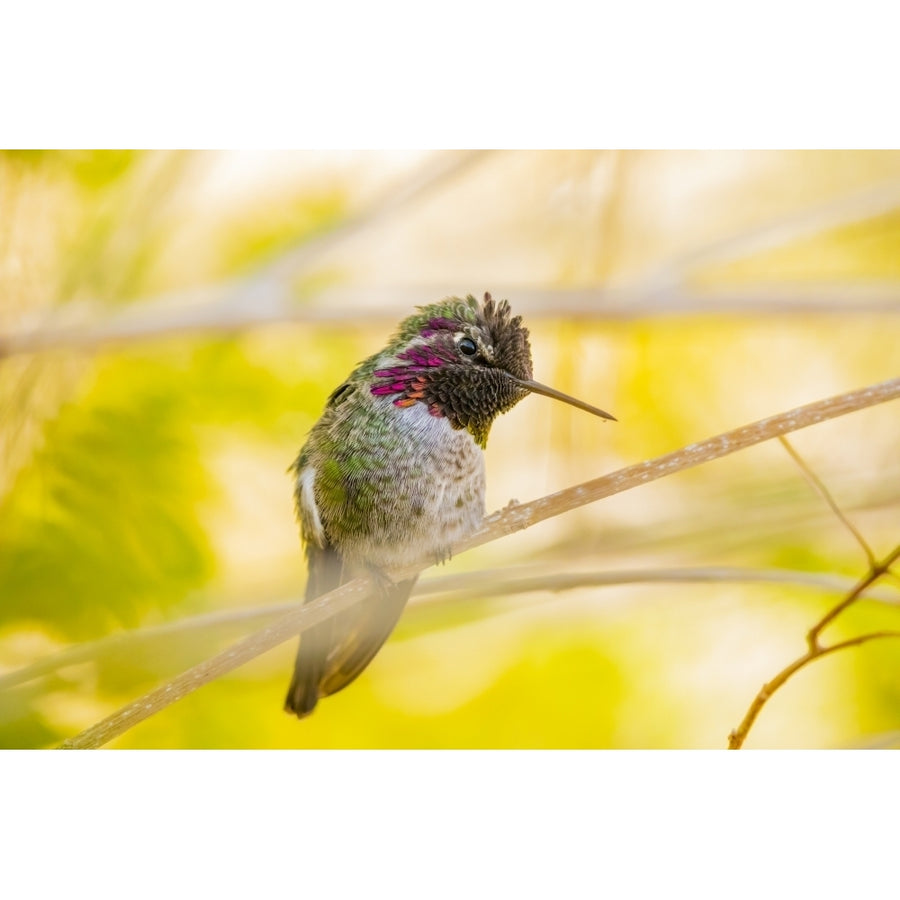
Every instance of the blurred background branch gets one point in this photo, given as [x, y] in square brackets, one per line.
[449, 590]
[206, 312]
[264, 296]
[854, 206]
[268, 296]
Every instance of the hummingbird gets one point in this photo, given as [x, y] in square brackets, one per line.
[393, 472]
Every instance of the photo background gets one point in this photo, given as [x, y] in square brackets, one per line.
[172, 323]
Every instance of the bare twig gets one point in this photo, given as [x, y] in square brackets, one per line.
[486, 584]
[819, 486]
[875, 572]
[507, 521]
[815, 650]
[738, 736]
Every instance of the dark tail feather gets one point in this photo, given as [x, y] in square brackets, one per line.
[303, 693]
[325, 574]
[356, 645]
[334, 653]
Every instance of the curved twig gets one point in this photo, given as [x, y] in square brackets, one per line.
[875, 572]
[738, 736]
[815, 650]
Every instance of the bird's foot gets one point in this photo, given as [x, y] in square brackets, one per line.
[443, 555]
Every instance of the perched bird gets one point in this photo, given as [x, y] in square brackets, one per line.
[393, 471]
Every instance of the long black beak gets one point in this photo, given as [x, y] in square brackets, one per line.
[537, 388]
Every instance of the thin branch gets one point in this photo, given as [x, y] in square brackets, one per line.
[855, 206]
[506, 521]
[875, 572]
[815, 650]
[819, 486]
[486, 584]
[738, 736]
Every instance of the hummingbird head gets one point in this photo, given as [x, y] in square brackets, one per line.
[466, 360]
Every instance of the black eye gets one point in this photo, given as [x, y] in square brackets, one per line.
[468, 347]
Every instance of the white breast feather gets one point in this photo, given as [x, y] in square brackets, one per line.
[309, 512]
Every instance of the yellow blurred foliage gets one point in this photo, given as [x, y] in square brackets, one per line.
[172, 323]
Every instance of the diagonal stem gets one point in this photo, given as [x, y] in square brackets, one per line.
[738, 736]
[815, 650]
[819, 486]
[876, 572]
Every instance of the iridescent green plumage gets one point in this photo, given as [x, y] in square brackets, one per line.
[393, 473]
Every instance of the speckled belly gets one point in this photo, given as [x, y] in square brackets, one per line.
[429, 495]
